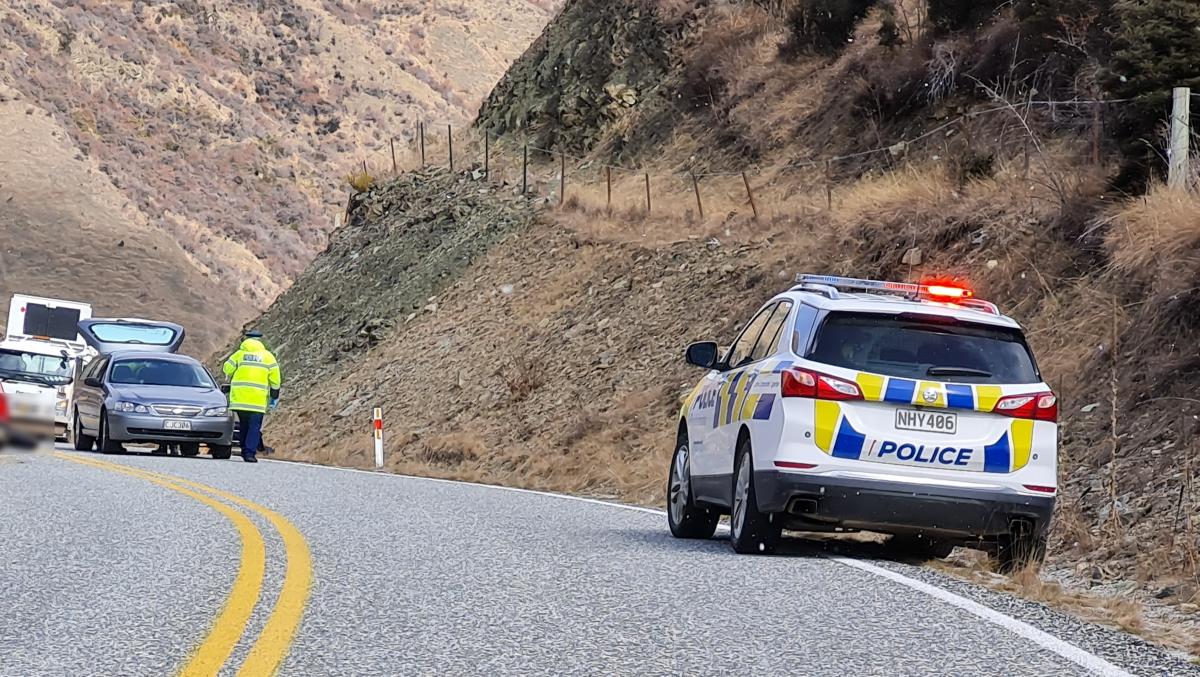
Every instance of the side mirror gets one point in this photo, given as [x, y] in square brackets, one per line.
[92, 382]
[225, 388]
[703, 355]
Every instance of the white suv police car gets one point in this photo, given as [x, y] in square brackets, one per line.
[845, 404]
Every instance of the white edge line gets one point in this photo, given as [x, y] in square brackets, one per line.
[1076, 655]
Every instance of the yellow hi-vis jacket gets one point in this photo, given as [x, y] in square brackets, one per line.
[253, 373]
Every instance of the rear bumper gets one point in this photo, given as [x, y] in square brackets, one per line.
[141, 428]
[898, 507]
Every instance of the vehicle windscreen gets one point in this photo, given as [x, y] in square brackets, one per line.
[924, 347]
[151, 372]
[18, 365]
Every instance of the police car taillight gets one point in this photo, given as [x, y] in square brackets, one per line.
[817, 386]
[1038, 406]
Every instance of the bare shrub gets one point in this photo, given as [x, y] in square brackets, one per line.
[361, 181]
[522, 376]
[450, 449]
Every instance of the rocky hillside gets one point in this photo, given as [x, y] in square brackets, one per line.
[226, 127]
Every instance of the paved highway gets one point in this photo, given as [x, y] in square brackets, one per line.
[140, 565]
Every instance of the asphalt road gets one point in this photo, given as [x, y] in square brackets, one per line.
[106, 572]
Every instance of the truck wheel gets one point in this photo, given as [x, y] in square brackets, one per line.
[921, 547]
[220, 452]
[189, 449]
[80, 440]
[686, 519]
[107, 446]
[1017, 551]
[750, 531]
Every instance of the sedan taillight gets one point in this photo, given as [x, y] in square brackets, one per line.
[817, 386]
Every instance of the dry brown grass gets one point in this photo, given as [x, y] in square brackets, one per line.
[1156, 239]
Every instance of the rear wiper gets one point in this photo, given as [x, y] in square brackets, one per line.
[957, 371]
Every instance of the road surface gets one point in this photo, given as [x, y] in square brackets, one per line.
[141, 565]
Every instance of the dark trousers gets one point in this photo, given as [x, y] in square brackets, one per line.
[249, 431]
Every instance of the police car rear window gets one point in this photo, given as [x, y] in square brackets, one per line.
[924, 347]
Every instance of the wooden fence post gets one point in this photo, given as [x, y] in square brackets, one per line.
[562, 178]
[750, 194]
[487, 156]
[525, 170]
[450, 145]
[647, 192]
[696, 189]
[365, 172]
[392, 143]
[608, 181]
[421, 129]
[1097, 131]
[1181, 131]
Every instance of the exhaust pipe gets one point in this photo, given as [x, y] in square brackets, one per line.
[803, 506]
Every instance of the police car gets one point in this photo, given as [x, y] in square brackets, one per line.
[915, 410]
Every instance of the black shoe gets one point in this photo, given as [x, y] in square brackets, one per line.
[267, 450]
[249, 459]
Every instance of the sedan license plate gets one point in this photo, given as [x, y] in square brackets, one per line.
[177, 425]
[927, 421]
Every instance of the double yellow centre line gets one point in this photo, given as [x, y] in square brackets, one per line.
[277, 635]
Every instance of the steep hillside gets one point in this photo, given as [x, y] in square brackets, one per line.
[229, 127]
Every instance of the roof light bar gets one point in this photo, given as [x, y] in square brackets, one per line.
[941, 291]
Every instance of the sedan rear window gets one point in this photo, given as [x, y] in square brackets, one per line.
[138, 334]
[160, 373]
[924, 347]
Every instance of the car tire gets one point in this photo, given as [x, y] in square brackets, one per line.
[189, 449]
[921, 547]
[106, 444]
[79, 439]
[684, 517]
[1018, 551]
[221, 452]
[750, 531]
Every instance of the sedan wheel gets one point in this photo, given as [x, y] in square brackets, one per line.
[80, 440]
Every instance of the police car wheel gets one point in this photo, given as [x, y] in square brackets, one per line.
[921, 547]
[80, 440]
[1018, 551]
[686, 519]
[750, 531]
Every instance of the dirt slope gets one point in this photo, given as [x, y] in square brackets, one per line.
[229, 127]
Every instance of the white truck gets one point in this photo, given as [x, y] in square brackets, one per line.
[37, 357]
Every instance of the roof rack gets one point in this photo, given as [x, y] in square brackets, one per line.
[830, 285]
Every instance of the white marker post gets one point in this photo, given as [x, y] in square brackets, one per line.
[377, 424]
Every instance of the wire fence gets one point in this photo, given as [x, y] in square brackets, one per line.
[559, 175]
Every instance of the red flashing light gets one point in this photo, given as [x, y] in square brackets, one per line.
[3, 406]
[794, 465]
[1040, 489]
[943, 291]
[817, 386]
[1037, 406]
